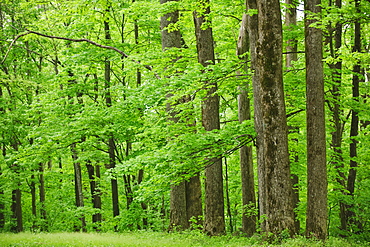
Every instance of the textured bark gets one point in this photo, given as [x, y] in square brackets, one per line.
[194, 209]
[178, 214]
[214, 221]
[316, 217]
[275, 188]
[245, 152]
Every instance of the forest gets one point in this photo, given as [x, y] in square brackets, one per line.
[238, 117]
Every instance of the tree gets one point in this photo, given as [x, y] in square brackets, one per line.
[316, 218]
[275, 188]
[214, 220]
[246, 158]
[356, 78]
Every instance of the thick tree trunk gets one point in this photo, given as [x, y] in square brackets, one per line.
[186, 196]
[172, 39]
[245, 153]
[178, 214]
[194, 209]
[214, 221]
[317, 214]
[275, 187]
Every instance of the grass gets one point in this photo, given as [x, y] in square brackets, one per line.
[152, 239]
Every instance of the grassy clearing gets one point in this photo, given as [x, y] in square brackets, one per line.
[142, 239]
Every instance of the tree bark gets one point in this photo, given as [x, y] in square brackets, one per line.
[214, 221]
[275, 188]
[245, 153]
[317, 215]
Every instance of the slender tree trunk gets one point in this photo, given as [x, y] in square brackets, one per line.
[111, 142]
[16, 206]
[291, 20]
[17, 210]
[357, 74]
[94, 176]
[317, 214]
[214, 221]
[78, 186]
[337, 134]
[42, 198]
[33, 200]
[291, 56]
[245, 152]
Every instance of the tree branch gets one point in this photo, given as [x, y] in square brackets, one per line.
[77, 40]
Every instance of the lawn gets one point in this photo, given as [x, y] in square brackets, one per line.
[142, 239]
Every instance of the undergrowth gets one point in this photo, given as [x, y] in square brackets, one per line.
[155, 239]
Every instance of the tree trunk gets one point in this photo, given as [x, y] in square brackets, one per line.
[275, 188]
[172, 39]
[17, 211]
[94, 176]
[78, 186]
[291, 20]
[43, 217]
[317, 215]
[194, 209]
[111, 142]
[214, 222]
[291, 56]
[185, 197]
[245, 152]
[338, 124]
[16, 206]
[350, 214]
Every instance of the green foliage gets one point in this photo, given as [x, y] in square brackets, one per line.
[54, 95]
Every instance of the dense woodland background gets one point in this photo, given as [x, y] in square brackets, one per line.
[126, 115]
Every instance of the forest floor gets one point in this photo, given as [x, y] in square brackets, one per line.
[155, 239]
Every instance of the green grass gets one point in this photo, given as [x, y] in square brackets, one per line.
[142, 239]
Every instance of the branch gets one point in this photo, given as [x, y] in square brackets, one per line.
[78, 40]
[11, 45]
